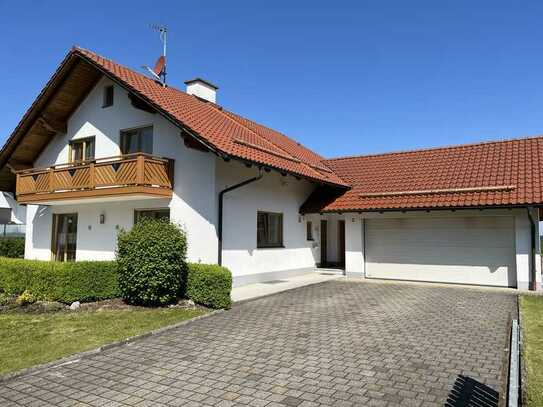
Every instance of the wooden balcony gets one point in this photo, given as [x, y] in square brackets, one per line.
[129, 175]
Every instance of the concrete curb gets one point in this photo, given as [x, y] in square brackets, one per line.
[82, 355]
[506, 290]
[523, 373]
[513, 391]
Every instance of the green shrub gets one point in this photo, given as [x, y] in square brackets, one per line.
[151, 258]
[209, 285]
[15, 274]
[58, 281]
[12, 247]
[83, 281]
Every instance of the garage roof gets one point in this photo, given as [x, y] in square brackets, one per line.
[500, 173]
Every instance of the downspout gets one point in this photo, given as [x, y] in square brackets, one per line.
[221, 198]
[533, 279]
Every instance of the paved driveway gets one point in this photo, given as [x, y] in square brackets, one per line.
[341, 343]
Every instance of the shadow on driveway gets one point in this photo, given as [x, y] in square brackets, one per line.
[469, 392]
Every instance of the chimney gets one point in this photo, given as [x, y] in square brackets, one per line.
[202, 89]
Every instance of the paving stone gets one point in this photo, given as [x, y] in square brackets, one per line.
[342, 343]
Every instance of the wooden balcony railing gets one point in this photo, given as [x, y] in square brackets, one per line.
[132, 174]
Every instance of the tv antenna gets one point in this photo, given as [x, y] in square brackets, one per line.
[159, 71]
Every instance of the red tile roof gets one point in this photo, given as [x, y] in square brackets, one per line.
[223, 131]
[501, 173]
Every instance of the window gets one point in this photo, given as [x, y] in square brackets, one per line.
[108, 96]
[82, 149]
[137, 141]
[269, 229]
[64, 242]
[162, 213]
[309, 230]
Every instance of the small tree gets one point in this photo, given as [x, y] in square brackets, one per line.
[152, 262]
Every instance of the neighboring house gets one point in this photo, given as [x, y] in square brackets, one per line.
[10, 211]
[103, 146]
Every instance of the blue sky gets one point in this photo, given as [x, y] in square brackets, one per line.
[342, 77]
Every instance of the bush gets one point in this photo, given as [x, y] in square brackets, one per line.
[12, 247]
[57, 281]
[151, 258]
[209, 285]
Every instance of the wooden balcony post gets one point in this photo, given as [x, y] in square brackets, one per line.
[171, 171]
[140, 169]
[92, 176]
[51, 173]
[17, 184]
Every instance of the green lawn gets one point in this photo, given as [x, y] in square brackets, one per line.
[532, 320]
[30, 339]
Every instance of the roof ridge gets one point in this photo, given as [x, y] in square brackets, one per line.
[83, 50]
[450, 147]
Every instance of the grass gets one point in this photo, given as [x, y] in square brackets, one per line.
[30, 339]
[531, 308]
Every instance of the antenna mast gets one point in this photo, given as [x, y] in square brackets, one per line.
[160, 67]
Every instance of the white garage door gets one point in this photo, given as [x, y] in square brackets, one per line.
[471, 250]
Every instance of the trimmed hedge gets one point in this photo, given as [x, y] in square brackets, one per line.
[209, 285]
[152, 262]
[12, 247]
[65, 282]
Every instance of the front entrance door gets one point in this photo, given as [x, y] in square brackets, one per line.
[341, 243]
[64, 236]
[324, 243]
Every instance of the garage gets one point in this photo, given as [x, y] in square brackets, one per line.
[465, 250]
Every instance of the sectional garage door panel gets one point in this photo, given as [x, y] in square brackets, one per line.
[470, 250]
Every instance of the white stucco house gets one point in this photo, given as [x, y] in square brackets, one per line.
[103, 146]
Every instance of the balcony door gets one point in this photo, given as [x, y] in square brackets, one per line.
[64, 242]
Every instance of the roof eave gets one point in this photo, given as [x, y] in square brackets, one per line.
[422, 209]
[12, 141]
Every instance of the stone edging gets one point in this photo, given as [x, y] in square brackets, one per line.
[81, 355]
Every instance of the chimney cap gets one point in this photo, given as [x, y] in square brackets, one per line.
[198, 79]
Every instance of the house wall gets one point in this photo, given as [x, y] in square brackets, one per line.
[95, 241]
[191, 206]
[273, 193]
